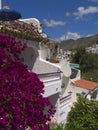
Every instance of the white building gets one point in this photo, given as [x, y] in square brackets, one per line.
[60, 81]
[92, 49]
[56, 77]
[88, 87]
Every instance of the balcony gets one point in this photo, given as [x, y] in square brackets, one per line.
[52, 83]
[65, 100]
[64, 107]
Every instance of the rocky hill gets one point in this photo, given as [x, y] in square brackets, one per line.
[72, 44]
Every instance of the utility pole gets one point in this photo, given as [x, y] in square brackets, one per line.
[0, 4]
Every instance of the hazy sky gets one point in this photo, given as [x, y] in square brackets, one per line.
[61, 19]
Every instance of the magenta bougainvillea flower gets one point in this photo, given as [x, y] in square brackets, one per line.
[21, 102]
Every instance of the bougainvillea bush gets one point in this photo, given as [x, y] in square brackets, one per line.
[21, 102]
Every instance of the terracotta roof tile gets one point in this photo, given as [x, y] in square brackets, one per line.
[89, 85]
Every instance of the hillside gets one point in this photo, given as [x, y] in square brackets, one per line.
[86, 41]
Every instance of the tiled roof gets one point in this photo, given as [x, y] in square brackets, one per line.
[86, 84]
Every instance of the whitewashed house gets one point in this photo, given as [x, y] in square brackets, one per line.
[60, 80]
[93, 49]
[55, 76]
[86, 86]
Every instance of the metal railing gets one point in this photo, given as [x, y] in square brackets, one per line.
[65, 99]
[47, 75]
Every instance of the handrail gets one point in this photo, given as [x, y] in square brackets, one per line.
[50, 74]
[66, 98]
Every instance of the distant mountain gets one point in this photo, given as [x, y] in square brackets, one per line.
[85, 41]
[66, 41]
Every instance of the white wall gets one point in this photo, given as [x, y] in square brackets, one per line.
[75, 90]
[54, 100]
[43, 52]
[28, 57]
[52, 88]
[65, 85]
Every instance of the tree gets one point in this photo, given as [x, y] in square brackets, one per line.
[88, 61]
[80, 52]
[83, 115]
[21, 102]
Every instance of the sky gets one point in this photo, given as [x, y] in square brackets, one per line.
[61, 19]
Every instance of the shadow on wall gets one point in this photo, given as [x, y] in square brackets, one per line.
[65, 82]
[28, 57]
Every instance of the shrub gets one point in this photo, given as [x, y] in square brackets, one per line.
[21, 100]
[58, 127]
